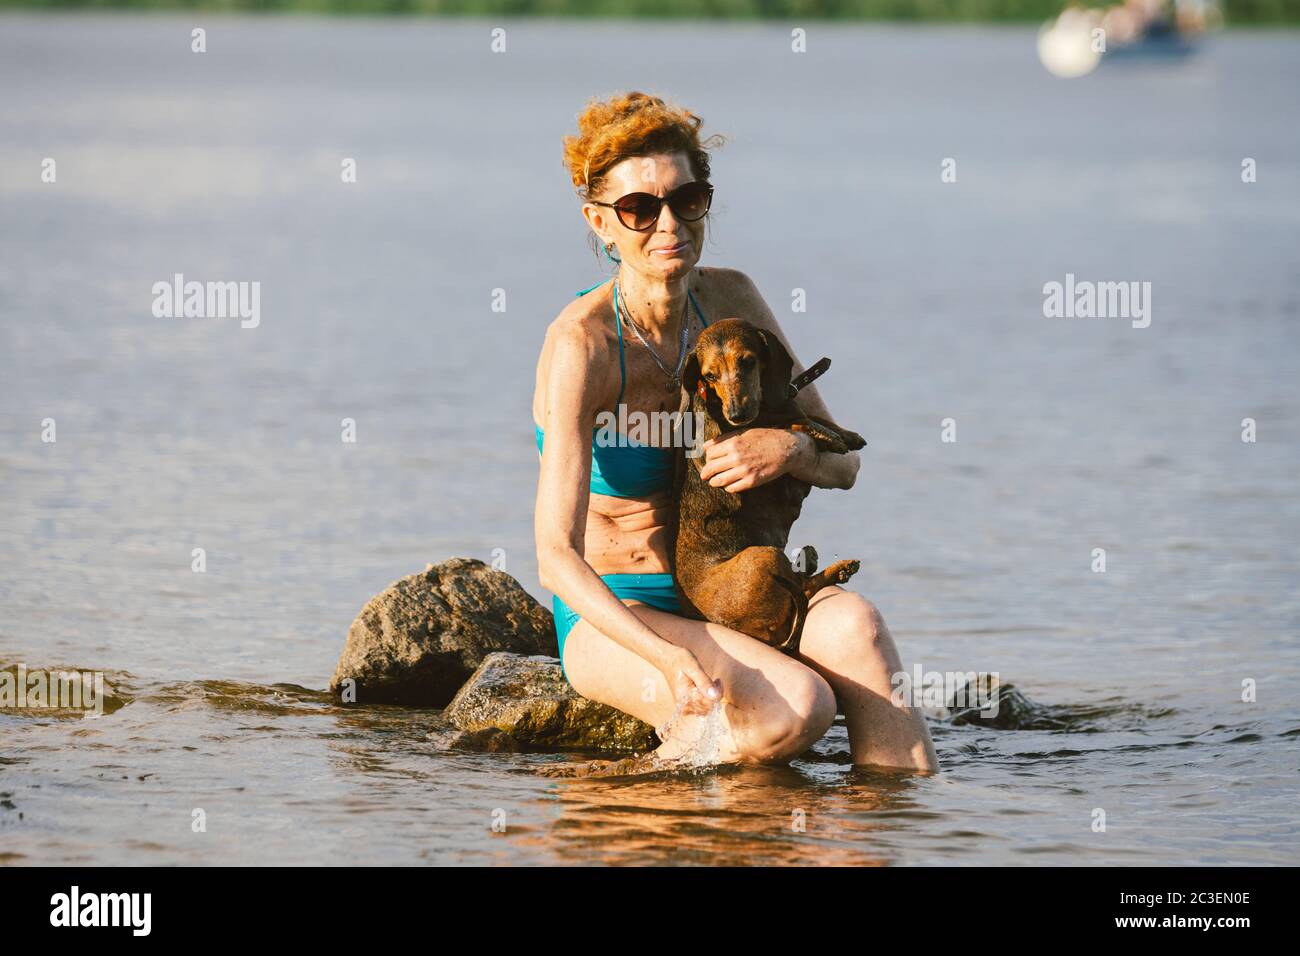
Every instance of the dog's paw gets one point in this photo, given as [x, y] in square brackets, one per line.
[841, 571]
[853, 440]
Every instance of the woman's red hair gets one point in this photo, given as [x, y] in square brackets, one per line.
[632, 124]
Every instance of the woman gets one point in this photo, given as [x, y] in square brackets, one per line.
[605, 510]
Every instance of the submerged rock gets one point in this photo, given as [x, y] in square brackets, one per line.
[528, 698]
[989, 702]
[421, 638]
[488, 740]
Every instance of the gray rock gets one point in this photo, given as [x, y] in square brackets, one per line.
[487, 740]
[992, 703]
[528, 698]
[420, 639]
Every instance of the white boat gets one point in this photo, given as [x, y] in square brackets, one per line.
[1080, 38]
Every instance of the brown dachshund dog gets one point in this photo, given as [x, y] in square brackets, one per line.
[729, 560]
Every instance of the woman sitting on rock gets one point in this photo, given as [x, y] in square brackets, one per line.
[605, 508]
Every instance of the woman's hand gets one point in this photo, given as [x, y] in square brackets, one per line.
[754, 456]
[692, 689]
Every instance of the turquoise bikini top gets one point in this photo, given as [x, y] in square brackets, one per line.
[630, 470]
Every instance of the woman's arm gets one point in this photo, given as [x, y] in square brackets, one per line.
[560, 519]
[763, 456]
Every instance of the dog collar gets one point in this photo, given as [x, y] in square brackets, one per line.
[808, 377]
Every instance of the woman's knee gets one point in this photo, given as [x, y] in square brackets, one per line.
[862, 620]
[805, 710]
[849, 631]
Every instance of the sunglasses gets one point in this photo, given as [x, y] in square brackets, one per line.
[640, 211]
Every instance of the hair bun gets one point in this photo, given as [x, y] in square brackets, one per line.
[630, 124]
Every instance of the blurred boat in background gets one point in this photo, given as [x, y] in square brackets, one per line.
[1081, 37]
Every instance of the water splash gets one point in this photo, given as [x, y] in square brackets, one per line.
[693, 738]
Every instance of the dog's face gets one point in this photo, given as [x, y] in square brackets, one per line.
[738, 369]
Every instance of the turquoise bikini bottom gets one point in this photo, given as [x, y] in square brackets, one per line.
[657, 590]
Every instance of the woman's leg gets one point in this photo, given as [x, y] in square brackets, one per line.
[846, 641]
[774, 707]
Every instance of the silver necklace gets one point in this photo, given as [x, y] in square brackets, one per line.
[674, 376]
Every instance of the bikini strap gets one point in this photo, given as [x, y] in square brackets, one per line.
[697, 308]
[622, 368]
[618, 327]
[596, 286]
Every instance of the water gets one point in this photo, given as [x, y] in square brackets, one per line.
[706, 732]
[376, 305]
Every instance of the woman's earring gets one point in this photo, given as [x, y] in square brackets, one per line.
[609, 246]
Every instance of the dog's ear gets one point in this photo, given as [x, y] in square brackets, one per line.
[778, 368]
[691, 375]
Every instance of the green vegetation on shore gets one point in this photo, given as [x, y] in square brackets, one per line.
[1236, 11]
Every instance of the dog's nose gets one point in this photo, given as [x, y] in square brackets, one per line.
[741, 411]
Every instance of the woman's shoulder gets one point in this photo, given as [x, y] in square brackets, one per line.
[583, 321]
[725, 293]
[721, 280]
[580, 340]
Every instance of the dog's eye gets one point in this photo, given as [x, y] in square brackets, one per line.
[710, 377]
